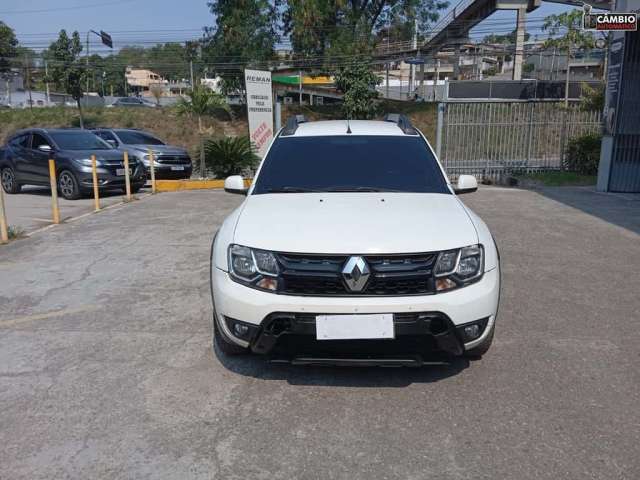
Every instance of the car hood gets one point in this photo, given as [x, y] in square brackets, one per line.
[112, 154]
[349, 223]
[158, 149]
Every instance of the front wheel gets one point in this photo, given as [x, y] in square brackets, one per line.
[9, 183]
[68, 185]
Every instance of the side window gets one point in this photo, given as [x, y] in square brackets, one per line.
[21, 141]
[106, 136]
[38, 140]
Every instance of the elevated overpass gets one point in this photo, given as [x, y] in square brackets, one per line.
[453, 29]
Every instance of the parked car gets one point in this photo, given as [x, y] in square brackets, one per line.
[26, 162]
[352, 247]
[132, 102]
[170, 162]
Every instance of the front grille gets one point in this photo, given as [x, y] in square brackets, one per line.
[174, 159]
[392, 275]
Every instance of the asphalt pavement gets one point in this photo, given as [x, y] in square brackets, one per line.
[107, 370]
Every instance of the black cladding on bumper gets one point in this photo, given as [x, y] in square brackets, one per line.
[291, 337]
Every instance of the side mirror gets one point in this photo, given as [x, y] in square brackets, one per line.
[44, 148]
[235, 184]
[113, 143]
[466, 184]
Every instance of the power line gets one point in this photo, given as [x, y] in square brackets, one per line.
[61, 9]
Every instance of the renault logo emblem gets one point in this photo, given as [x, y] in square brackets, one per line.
[356, 273]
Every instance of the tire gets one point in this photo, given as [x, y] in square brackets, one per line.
[135, 188]
[9, 183]
[480, 350]
[68, 185]
[226, 347]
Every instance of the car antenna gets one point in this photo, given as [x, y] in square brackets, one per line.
[348, 127]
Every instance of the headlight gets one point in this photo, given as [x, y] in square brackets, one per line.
[254, 268]
[87, 162]
[457, 268]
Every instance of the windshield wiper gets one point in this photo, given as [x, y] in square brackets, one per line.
[287, 189]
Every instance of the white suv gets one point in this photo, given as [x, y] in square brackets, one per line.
[352, 247]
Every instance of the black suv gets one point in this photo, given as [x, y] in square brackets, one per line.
[25, 160]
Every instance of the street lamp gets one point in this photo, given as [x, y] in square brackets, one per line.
[106, 40]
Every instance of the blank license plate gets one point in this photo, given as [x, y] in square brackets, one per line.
[177, 168]
[354, 327]
[120, 172]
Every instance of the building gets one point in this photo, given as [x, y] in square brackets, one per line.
[141, 80]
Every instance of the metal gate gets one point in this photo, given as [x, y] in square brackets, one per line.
[492, 138]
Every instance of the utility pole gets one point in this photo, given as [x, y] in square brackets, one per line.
[46, 76]
[87, 61]
[387, 79]
[566, 81]
[193, 86]
[415, 47]
[300, 87]
[28, 75]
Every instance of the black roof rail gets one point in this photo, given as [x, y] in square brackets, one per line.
[292, 124]
[402, 121]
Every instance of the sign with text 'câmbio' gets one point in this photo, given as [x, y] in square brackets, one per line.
[259, 109]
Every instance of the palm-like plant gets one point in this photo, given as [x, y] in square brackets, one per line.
[229, 156]
[202, 101]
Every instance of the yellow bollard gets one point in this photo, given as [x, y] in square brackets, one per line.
[127, 180]
[152, 169]
[54, 191]
[96, 195]
[4, 230]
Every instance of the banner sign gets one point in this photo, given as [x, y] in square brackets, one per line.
[259, 109]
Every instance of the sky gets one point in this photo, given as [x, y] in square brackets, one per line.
[36, 22]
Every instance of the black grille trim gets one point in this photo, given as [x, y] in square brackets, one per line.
[391, 275]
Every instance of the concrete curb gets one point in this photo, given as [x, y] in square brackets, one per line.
[189, 184]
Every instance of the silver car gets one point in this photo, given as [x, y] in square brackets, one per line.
[170, 162]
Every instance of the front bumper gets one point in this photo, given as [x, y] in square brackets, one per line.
[107, 179]
[413, 316]
[164, 172]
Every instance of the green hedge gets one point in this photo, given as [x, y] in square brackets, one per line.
[582, 154]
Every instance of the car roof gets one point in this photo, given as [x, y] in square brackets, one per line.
[347, 127]
[47, 130]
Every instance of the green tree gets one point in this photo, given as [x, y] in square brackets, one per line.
[245, 33]
[357, 81]
[565, 31]
[202, 101]
[67, 71]
[509, 38]
[8, 47]
[331, 28]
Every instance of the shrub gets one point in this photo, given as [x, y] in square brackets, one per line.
[229, 156]
[592, 98]
[582, 154]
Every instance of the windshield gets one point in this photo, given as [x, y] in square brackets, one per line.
[137, 138]
[79, 141]
[350, 163]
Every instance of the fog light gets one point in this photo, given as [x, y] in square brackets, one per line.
[444, 284]
[240, 330]
[472, 331]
